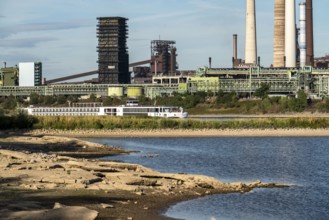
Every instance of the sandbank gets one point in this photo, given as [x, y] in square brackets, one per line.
[42, 177]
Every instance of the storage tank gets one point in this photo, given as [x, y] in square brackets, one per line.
[115, 91]
[134, 91]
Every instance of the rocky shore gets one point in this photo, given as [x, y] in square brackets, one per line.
[48, 177]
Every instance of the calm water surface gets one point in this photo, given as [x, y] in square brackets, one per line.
[293, 160]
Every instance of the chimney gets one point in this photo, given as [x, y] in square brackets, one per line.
[250, 43]
[279, 36]
[309, 33]
[235, 46]
[173, 61]
[302, 36]
[290, 33]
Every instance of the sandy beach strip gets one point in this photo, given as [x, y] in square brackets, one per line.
[186, 133]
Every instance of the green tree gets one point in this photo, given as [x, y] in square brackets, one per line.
[10, 102]
[2, 112]
[112, 101]
[266, 105]
[34, 99]
[262, 91]
[325, 105]
[107, 101]
[22, 120]
[227, 100]
[49, 100]
[92, 98]
[61, 100]
[142, 100]
[300, 103]
[284, 104]
[73, 98]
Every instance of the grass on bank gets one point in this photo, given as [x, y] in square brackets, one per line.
[137, 123]
[23, 121]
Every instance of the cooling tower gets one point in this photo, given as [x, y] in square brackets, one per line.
[290, 33]
[279, 36]
[302, 36]
[309, 33]
[250, 44]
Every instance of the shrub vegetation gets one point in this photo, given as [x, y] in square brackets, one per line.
[137, 123]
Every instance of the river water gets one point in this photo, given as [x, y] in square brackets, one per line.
[302, 161]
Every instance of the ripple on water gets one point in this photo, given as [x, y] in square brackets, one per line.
[303, 161]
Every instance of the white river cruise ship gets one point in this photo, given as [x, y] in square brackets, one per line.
[130, 109]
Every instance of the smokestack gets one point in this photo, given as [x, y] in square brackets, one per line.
[235, 46]
[302, 36]
[173, 61]
[290, 33]
[210, 62]
[250, 44]
[309, 33]
[279, 36]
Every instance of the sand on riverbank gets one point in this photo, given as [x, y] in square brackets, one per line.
[187, 133]
[37, 180]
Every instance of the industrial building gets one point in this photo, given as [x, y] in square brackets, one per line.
[163, 61]
[9, 76]
[294, 67]
[163, 57]
[322, 62]
[113, 58]
[30, 74]
[26, 74]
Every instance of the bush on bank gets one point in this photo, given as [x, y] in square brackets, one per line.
[19, 121]
[136, 123]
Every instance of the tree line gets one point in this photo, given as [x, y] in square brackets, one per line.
[196, 103]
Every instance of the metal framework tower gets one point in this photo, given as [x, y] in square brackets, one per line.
[113, 58]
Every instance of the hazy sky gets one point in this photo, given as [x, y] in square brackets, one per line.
[62, 33]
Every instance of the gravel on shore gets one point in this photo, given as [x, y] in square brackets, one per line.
[186, 133]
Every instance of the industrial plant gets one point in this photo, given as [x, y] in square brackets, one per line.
[294, 65]
[113, 58]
